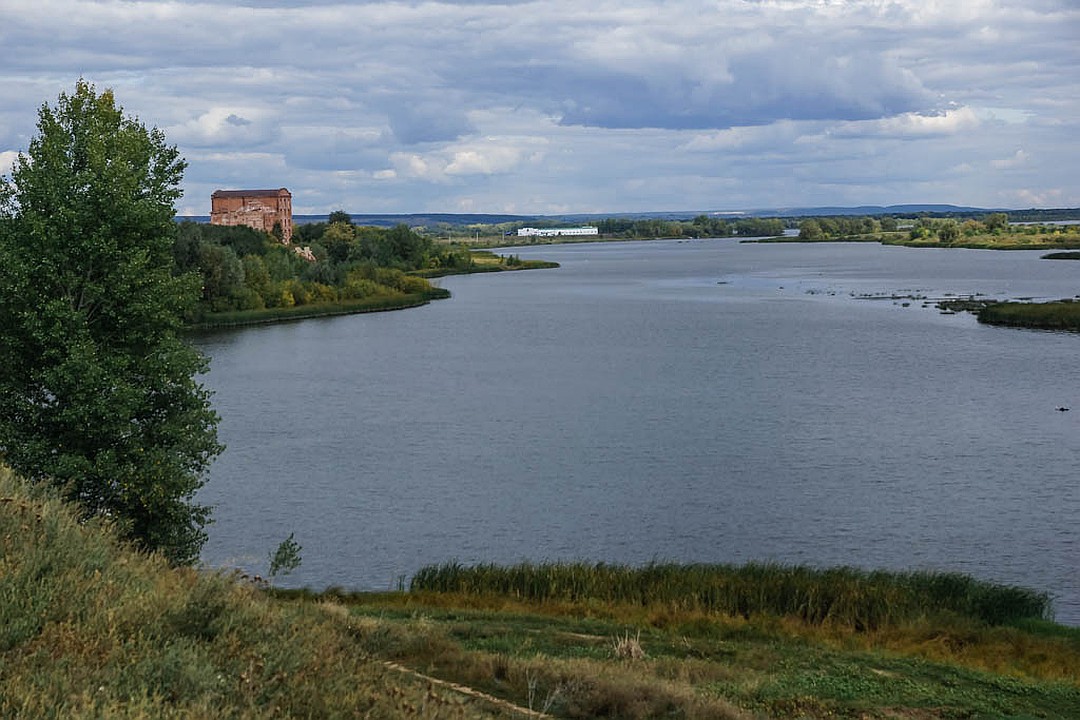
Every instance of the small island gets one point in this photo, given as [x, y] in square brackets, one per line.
[989, 232]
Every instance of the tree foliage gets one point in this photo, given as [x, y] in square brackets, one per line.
[244, 269]
[700, 227]
[835, 227]
[97, 392]
[339, 216]
[286, 558]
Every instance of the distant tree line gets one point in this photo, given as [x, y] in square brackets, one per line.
[244, 269]
[924, 227]
[1044, 214]
[701, 226]
[825, 228]
[949, 230]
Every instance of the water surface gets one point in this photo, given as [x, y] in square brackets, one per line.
[704, 401]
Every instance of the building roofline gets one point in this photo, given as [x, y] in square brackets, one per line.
[250, 193]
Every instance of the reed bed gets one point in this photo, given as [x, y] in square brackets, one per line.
[1058, 315]
[860, 599]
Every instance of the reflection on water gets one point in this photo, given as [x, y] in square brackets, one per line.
[699, 401]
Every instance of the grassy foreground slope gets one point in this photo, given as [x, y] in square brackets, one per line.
[90, 629]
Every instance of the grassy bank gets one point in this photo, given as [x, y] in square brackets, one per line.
[1058, 315]
[1006, 241]
[237, 318]
[482, 261]
[89, 628]
[590, 659]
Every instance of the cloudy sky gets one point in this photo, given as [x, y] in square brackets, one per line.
[555, 106]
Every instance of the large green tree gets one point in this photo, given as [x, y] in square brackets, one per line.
[98, 392]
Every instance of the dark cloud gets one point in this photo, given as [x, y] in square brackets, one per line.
[415, 121]
[329, 149]
[762, 89]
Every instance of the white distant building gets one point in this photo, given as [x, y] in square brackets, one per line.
[556, 232]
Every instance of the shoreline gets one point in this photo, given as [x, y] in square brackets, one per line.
[901, 239]
[270, 316]
[1054, 315]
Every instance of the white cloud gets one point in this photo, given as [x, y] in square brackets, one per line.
[1017, 159]
[483, 156]
[918, 125]
[913, 125]
[412, 165]
[758, 137]
[484, 161]
[1046, 197]
[229, 126]
[7, 161]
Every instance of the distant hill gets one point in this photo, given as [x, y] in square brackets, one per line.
[914, 209]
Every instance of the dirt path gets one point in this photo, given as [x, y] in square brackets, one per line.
[466, 690]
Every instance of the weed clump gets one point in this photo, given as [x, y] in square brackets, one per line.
[628, 648]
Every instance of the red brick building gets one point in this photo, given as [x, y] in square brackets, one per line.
[259, 209]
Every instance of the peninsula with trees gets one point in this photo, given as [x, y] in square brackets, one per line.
[252, 275]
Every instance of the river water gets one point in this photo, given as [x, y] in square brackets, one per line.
[698, 401]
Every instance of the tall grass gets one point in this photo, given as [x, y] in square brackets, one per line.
[863, 600]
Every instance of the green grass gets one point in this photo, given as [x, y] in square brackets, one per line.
[91, 629]
[697, 665]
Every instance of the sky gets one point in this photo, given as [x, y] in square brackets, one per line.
[562, 106]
